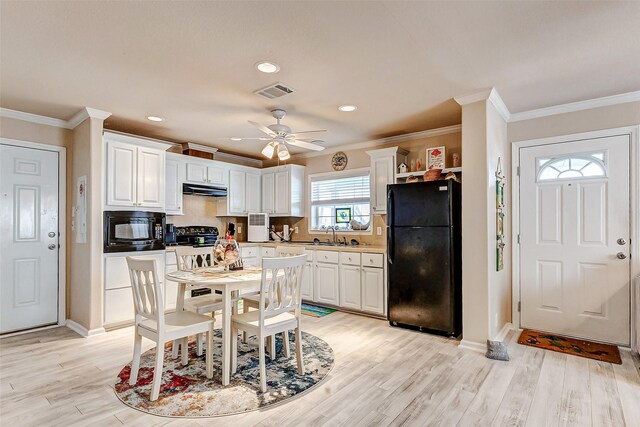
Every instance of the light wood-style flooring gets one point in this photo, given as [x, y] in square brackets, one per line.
[382, 376]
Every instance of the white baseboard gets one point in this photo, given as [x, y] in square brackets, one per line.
[504, 331]
[81, 330]
[474, 346]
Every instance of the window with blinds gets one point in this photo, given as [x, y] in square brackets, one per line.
[338, 201]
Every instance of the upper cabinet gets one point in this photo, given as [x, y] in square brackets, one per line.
[237, 203]
[283, 190]
[244, 192]
[135, 174]
[174, 178]
[383, 172]
[253, 195]
[207, 172]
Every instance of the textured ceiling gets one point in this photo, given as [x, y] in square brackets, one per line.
[399, 62]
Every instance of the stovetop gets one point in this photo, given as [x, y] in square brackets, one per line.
[196, 230]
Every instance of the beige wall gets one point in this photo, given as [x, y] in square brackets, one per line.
[50, 135]
[86, 258]
[499, 282]
[576, 122]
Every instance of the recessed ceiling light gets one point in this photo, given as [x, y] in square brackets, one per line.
[236, 139]
[347, 108]
[267, 67]
[155, 118]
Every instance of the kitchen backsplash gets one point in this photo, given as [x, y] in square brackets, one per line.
[369, 238]
[200, 210]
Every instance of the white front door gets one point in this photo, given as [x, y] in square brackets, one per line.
[574, 239]
[28, 238]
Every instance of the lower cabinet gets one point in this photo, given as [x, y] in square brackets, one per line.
[306, 289]
[327, 283]
[373, 290]
[350, 288]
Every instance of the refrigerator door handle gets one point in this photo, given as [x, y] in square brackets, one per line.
[390, 246]
[390, 206]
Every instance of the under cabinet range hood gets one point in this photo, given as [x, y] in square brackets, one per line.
[204, 190]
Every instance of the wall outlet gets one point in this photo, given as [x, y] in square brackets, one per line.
[379, 231]
[295, 230]
[239, 229]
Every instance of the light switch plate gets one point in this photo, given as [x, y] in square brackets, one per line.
[239, 229]
[379, 231]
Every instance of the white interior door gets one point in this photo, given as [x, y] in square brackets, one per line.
[574, 239]
[28, 238]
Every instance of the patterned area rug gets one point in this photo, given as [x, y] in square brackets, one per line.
[562, 344]
[315, 310]
[186, 391]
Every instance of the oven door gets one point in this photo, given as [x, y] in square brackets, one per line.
[129, 231]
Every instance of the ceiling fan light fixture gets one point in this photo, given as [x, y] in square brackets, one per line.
[347, 108]
[268, 150]
[267, 67]
[283, 152]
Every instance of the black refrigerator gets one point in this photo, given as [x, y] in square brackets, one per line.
[424, 259]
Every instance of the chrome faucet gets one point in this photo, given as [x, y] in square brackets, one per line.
[333, 229]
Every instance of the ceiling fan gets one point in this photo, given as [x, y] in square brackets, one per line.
[280, 136]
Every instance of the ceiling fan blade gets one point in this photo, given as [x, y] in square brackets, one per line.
[263, 129]
[245, 139]
[307, 145]
[305, 132]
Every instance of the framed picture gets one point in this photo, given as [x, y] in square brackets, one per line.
[435, 158]
[343, 215]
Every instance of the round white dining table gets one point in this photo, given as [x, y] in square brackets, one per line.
[229, 283]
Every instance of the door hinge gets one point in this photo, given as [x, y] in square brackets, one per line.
[519, 306]
[518, 239]
[518, 170]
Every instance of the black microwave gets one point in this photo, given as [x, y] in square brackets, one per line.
[129, 231]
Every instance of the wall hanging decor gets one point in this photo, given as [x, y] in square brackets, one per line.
[500, 206]
[339, 161]
[343, 215]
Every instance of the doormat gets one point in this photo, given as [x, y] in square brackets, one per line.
[316, 311]
[576, 347]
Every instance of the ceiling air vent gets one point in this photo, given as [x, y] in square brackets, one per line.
[274, 91]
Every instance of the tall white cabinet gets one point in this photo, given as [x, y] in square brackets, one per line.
[134, 173]
[283, 190]
[383, 170]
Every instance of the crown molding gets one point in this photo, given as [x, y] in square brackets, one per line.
[33, 118]
[74, 121]
[234, 158]
[490, 95]
[84, 114]
[380, 143]
[576, 106]
[200, 147]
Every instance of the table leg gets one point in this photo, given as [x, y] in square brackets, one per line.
[226, 333]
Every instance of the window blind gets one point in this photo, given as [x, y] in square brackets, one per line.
[353, 189]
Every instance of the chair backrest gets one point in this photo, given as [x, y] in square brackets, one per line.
[147, 293]
[281, 281]
[188, 257]
[289, 250]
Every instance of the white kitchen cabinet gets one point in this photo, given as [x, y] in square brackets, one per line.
[350, 288]
[282, 193]
[268, 193]
[135, 176]
[250, 255]
[196, 172]
[327, 283]
[253, 197]
[174, 178]
[382, 173]
[237, 192]
[373, 290]
[118, 300]
[283, 190]
[306, 288]
[201, 171]
[171, 288]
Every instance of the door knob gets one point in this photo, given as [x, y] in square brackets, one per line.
[621, 255]
[52, 246]
[621, 241]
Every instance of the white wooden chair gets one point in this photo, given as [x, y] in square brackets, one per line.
[280, 310]
[151, 322]
[188, 258]
[253, 301]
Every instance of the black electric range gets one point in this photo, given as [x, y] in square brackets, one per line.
[196, 236]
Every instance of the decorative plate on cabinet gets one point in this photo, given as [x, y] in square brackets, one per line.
[339, 161]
